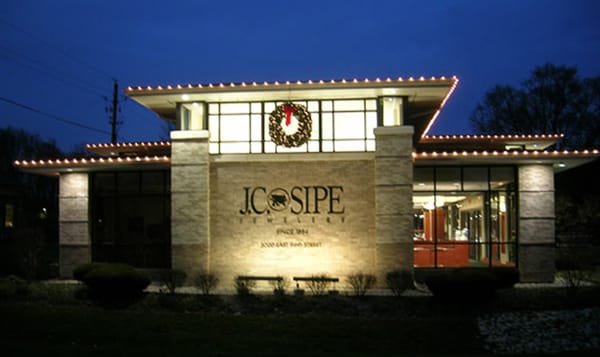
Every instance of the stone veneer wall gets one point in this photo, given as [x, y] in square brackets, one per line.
[190, 231]
[271, 242]
[536, 223]
[73, 222]
[393, 199]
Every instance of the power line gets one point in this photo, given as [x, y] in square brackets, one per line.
[55, 117]
[58, 76]
[59, 50]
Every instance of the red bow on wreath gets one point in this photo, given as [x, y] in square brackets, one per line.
[289, 110]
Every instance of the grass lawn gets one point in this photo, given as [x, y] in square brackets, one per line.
[50, 321]
[35, 329]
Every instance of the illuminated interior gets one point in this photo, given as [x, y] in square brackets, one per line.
[464, 216]
[337, 126]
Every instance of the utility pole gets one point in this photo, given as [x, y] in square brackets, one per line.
[113, 119]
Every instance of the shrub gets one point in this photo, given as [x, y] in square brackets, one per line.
[399, 280]
[206, 282]
[575, 265]
[361, 283]
[318, 284]
[172, 279]
[243, 287]
[113, 282]
[468, 283]
[279, 286]
[81, 271]
[13, 286]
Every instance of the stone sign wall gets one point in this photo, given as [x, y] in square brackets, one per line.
[292, 218]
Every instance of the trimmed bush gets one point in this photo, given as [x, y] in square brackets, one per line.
[361, 283]
[206, 282]
[113, 282]
[243, 287]
[318, 284]
[13, 286]
[399, 280]
[279, 286]
[172, 279]
[81, 271]
[468, 283]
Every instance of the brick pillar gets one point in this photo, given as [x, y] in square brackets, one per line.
[73, 222]
[190, 239]
[536, 223]
[393, 200]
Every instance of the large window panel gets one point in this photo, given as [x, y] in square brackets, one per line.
[132, 223]
[349, 126]
[502, 177]
[235, 128]
[337, 125]
[327, 126]
[423, 179]
[256, 127]
[348, 105]
[349, 145]
[448, 179]
[468, 220]
[235, 108]
[475, 178]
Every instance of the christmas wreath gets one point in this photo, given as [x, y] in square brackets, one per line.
[287, 133]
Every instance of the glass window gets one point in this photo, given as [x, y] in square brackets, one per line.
[349, 145]
[349, 125]
[213, 126]
[256, 127]
[104, 183]
[467, 220]
[502, 177]
[348, 105]
[9, 215]
[235, 128]
[313, 106]
[371, 104]
[153, 182]
[132, 223]
[327, 126]
[256, 108]
[447, 179]
[371, 118]
[235, 108]
[423, 179]
[475, 178]
[128, 182]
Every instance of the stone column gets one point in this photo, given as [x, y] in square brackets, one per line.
[73, 222]
[536, 223]
[190, 239]
[393, 200]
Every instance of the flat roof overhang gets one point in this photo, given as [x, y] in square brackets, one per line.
[559, 160]
[60, 166]
[425, 96]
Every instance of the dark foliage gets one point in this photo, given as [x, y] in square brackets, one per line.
[399, 280]
[361, 283]
[206, 282]
[172, 279]
[34, 205]
[112, 283]
[467, 283]
[13, 286]
[553, 100]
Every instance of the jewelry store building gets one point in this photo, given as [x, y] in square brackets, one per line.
[304, 178]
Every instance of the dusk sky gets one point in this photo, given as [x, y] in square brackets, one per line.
[60, 57]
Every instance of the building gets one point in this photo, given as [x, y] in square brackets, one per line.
[302, 178]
